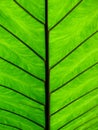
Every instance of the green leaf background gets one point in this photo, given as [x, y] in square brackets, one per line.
[73, 64]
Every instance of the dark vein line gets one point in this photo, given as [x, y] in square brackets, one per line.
[77, 117]
[74, 77]
[85, 122]
[10, 126]
[65, 15]
[23, 42]
[22, 116]
[47, 71]
[22, 69]
[28, 12]
[22, 94]
[73, 50]
[74, 101]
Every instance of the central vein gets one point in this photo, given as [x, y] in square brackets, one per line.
[47, 75]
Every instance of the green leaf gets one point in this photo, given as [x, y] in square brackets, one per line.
[48, 65]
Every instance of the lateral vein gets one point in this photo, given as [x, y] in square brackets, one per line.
[65, 16]
[21, 94]
[10, 126]
[74, 78]
[77, 117]
[31, 49]
[22, 117]
[73, 50]
[28, 12]
[21, 69]
[74, 101]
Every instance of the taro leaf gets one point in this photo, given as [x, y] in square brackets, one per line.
[48, 64]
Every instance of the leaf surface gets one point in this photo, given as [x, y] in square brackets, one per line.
[48, 65]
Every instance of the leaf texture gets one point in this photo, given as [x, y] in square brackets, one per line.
[48, 65]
